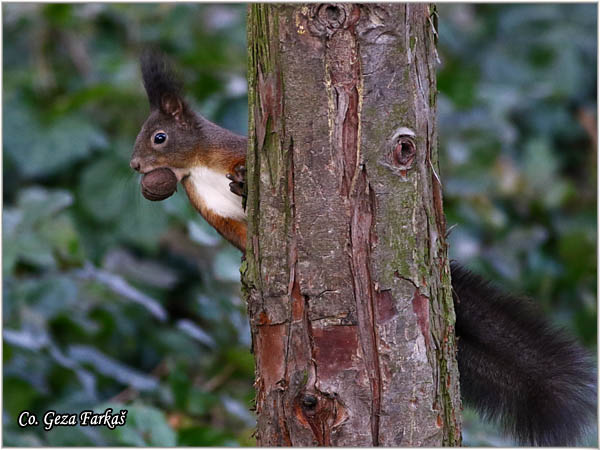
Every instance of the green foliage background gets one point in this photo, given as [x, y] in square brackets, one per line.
[113, 301]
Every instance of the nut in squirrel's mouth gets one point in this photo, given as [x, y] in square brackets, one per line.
[159, 184]
[181, 174]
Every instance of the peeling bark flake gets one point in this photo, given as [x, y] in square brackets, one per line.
[270, 349]
[386, 308]
[420, 304]
[335, 349]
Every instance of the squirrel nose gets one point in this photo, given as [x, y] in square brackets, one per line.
[135, 164]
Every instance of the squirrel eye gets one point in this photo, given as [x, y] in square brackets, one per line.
[159, 138]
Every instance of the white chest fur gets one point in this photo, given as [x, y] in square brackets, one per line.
[212, 188]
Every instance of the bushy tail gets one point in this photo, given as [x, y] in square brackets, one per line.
[515, 368]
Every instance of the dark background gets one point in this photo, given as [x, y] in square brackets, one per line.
[109, 299]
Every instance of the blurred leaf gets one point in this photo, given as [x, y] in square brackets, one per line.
[244, 361]
[23, 397]
[19, 438]
[145, 426]
[37, 203]
[238, 409]
[73, 436]
[32, 233]
[202, 233]
[111, 368]
[226, 265]
[50, 296]
[42, 150]
[118, 285]
[105, 199]
[201, 402]
[195, 332]
[210, 436]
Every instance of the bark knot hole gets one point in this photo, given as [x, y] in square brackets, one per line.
[404, 153]
[333, 13]
[332, 16]
[327, 18]
[309, 401]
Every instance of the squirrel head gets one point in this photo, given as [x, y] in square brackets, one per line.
[171, 135]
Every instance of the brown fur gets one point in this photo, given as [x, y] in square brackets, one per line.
[192, 141]
[232, 230]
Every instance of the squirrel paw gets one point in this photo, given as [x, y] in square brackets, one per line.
[237, 178]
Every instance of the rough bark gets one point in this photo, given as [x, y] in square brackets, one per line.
[346, 271]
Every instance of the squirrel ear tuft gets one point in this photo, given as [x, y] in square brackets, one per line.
[162, 85]
[171, 105]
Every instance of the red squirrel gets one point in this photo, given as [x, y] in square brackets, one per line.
[515, 368]
[199, 153]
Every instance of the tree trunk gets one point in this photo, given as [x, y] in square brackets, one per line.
[346, 273]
